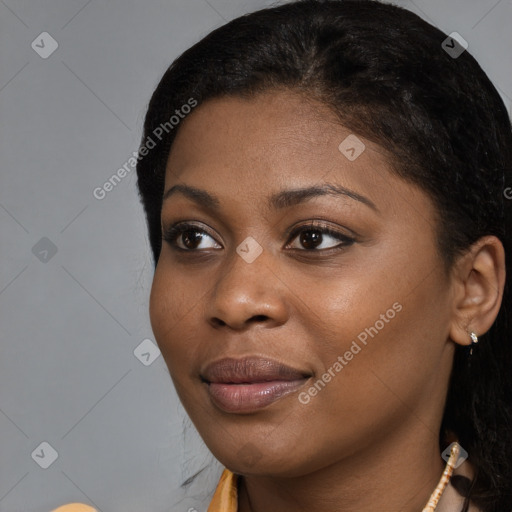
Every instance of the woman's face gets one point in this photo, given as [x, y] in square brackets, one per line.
[361, 314]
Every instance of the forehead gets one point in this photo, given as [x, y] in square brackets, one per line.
[276, 130]
[243, 150]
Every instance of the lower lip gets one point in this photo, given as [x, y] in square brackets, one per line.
[251, 397]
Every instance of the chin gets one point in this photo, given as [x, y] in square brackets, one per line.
[253, 460]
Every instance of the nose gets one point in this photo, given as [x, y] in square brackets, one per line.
[247, 293]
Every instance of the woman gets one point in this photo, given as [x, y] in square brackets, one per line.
[325, 186]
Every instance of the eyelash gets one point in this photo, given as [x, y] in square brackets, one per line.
[172, 233]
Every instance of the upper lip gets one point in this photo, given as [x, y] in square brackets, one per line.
[248, 370]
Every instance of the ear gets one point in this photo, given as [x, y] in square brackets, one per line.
[478, 280]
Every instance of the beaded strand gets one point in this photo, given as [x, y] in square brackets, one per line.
[445, 478]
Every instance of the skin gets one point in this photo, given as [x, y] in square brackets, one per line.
[369, 439]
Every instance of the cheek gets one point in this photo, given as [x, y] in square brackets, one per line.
[378, 353]
[388, 322]
[173, 305]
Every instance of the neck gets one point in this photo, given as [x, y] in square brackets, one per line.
[399, 473]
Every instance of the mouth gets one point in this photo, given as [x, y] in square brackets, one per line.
[250, 384]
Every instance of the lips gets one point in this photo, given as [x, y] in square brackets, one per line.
[249, 384]
[250, 370]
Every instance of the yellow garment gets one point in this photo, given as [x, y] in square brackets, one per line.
[75, 507]
[225, 498]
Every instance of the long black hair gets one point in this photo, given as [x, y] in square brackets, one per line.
[390, 77]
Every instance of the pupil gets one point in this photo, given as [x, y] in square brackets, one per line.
[311, 237]
[194, 238]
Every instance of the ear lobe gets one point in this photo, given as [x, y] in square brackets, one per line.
[480, 280]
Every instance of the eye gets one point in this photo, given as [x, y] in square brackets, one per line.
[190, 236]
[314, 235]
[185, 236]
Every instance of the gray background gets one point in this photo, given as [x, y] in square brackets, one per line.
[71, 318]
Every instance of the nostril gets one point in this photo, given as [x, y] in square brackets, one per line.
[259, 318]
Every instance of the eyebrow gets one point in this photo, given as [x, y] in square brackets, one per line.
[277, 201]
